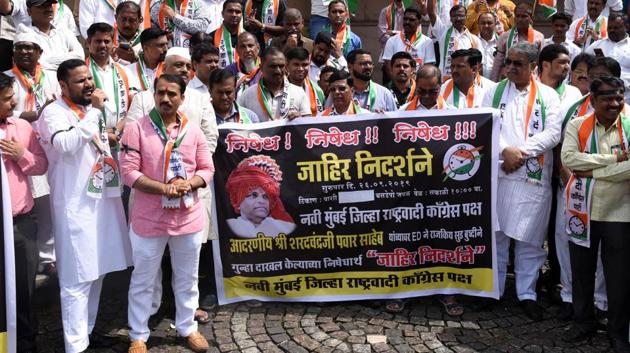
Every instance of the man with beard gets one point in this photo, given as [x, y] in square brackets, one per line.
[553, 68]
[403, 84]
[411, 40]
[591, 27]
[466, 88]
[89, 224]
[127, 32]
[274, 97]
[33, 88]
[109, 77]
[58, 43]
[325, 53]
[617, 45]
[592, 68]
[247, 68]
[370, 95]
[451, 37]
[162, 201]
[292, 37]
[341, 94]
[22, 159]
[427, 95]
[488, 38]
[143, 72]
[205, 59]
[560, 23]
[345, 40]
[298, 61]
[595, 149]
[521, 32]
[223, 93]
[530, 128]
[226, 36]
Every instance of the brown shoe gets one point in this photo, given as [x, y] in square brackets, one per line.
[137, 346]
[197, 342]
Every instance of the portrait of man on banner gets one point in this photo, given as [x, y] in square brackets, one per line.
[254, 192]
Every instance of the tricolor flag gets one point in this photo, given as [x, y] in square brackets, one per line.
[548, 7]
[7, 270]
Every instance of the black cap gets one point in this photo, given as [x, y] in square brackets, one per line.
[31, 3]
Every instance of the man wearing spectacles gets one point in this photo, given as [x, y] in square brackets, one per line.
[428, 83]
[530, 128]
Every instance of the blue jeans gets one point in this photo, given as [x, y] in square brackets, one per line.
[318, 24]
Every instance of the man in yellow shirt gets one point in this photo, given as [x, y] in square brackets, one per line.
[503, 9]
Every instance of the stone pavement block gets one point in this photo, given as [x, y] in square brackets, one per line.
[292, 347]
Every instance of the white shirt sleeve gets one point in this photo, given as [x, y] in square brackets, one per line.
[388, 52]
[87, 11]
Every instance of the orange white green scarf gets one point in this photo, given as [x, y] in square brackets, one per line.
[35, 96]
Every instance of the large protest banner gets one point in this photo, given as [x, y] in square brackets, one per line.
[357, 207]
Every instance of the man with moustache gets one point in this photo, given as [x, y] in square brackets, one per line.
[467, 87]
[274, 97]
[247, 68]
[530, 129]
[223, 92]
[521, 32]
[166, 140]
[403, 84]
[292, 37]
[341, 94]
[579, 72]
[560, 23]
[150, 62]
[298, 61]
[127, 32]
[88, 219]
[370, 95]
[553, 68]
[325, 53]
[205, 59]
[591, 27]
[488, 38]
[225, 37]
[345, 40]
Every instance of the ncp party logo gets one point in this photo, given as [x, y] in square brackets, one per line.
[461, 162]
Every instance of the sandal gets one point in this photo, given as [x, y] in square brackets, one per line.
[395, 306]
[452, 309]
[201, 317]
[253, 303]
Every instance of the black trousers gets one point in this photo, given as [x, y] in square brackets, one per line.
[207, 282]
[615, 242]
[6, 59]
[26, 260]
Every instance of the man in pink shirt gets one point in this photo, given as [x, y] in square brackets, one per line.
[22, 157]
[165, 159]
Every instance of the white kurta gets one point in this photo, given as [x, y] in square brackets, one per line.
[523, 207]
[91, 237]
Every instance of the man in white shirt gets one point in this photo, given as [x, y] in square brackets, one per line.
[58, 43]
[590, 27]
[62, 15]
[530, 128]
[214, 13]
[577, 8]
[616, 46]
[410, 40]
[94, 11]
[467, 87]
[90, 230]
[150, 62]
[110, 77]
[488, 38]
[298, 61]
[274, 97]
[205, 59]
[451, 36]
[560, 23]
[553, 67]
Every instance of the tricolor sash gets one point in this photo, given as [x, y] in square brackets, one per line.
[579, 108]
[283, 110]
[241, 115]
[413, 105]
[390, 15]
[120, 83]
[244, 80]
[104, 179]
[534, 123]
[450, 46]
[342, 38]
[141, 72]
[513, 37]
[173, 165]
[579, 190]
[315, 96]
[452, 88]
[180, 38]
[584, 23]
[35, 96]
[410, 45]
[269, 13]
[223, 40]
[353, 109]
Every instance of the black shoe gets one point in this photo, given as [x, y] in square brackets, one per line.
[482, 304]
[99, 340]
[579, 333]
[620, 346]
[532, 309]
[566, 312]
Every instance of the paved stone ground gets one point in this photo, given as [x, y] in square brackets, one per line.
[330, 327]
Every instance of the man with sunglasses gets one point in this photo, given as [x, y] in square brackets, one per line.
[530, 128]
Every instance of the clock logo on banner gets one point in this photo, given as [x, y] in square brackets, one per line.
[461, 162]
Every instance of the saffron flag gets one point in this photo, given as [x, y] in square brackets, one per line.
[548, 7]
[7, 270]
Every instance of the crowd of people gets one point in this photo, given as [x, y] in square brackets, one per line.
[107, 131]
